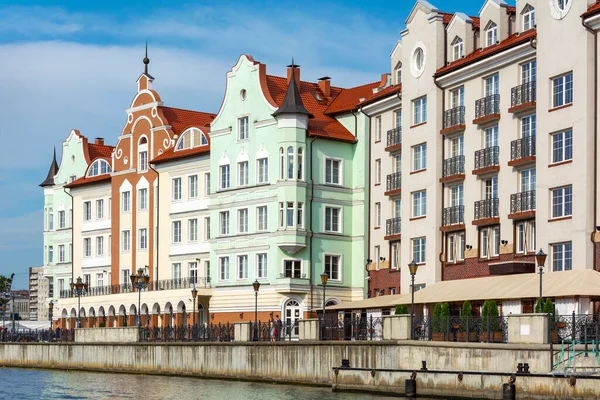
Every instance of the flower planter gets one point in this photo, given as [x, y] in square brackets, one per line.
[462, 337]
[561, 325]
[495, 337]
[437, 336]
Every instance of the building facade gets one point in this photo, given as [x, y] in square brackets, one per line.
[38, 291]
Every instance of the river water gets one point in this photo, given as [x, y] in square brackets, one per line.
[16, 384]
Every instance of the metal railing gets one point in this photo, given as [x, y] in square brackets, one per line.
[272, 331]
[393, 226]
[521, 148]
[190, 333]
[454, 116]
[37, 335]
[393, 181]
[355, 328]
[489, 105]
[486, 209]
[522, 94]
[453, 166]
[461, 329]
[453, 215]
[163, 284]
[487, 157]
[523, 201]
[394, 136]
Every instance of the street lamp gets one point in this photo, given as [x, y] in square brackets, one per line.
[324, 278]
[540, 257]
[140, 282]
[412, 268]
[194, 294]
[256, 286]
[50, 308]
[78, 289]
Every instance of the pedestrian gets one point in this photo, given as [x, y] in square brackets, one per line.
[277, 327]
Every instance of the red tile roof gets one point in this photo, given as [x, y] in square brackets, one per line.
[350, 99]
[99, 151]
[477, 55]
[171, 154]
[593, 9]
[447, 17]
[181, 119]
[388, 91]
[89, 180]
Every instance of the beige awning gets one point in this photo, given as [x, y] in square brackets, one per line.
[374, 302]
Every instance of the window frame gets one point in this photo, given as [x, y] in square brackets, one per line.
[239, 266]
[339, 266]
[418, 247]
[563, 149]
[419, 157]
[340, 170]
[265, 261]
[563, 252]
[565, 93]
[340, 217]
[193, 182]
[224, 269]
[419, 110]
[419, 203]
[262, 224]
[225, 177]
[243, 128]
[192, 226]
[566, 201]
[243, 173]
[125, 244]
[176, 231]
[224, 229]
[143, 239]
[262, 172]
[245, 225]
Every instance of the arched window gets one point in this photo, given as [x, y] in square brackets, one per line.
[50, 219]
[491, 34]
[143, 154]
[300, 164]
[99, 167]
[398, 73]
[290, 163]
[528, 17]
[457, 48]
[281, 164]
[190, 139]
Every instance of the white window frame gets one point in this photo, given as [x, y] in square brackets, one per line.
[99, 246]
[193, 186]
[243, 128]
[332, 256]
[419, 155]
[224, 223]
[243, 174]
[300, 215]
[125, 241]
[419, 110]
[377, 215]
[419, 249]
[262, 172]
[242, 225]
[419, 203]
[87, 247]
[561, 98]
[62, 220]
[87, 213]
[455, 247]
[126, 201]
[457, 49]
[561, 201]
[262, 224]
[562, 256]
[293, 261]
[242, 270]
[224, 269]
[490, 236]
[378, 171]
[176, 231]
[525, 237]
[176, 189]
[562, 137]
[143, 239]
[328, 177]
[378, 128]
[528, 14]
[224, 177]
[143, 199]
[340, 211]
[206, 228]
[61, 253]
[491, 34]
[262, 264]
[192, 230]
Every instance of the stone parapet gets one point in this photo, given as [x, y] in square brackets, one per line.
[107, 335]
[528, 328]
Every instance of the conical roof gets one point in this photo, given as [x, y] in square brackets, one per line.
[292, 102]
[51, 172]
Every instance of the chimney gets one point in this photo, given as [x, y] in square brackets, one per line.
[296, 73]
[99, 141]
[325, 86]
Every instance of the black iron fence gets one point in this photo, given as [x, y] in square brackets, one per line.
[488, 105]
[487, 157]
[461, 329]
[394, 181]
[453, 166]
[274, 331]
[37, 335]
[523, 94]
[394, 136]
[523, 201]
[575, 329]
[486, 209]
[453, 215]
[454, 116]
[393, 226]
[522, 148]
[190, 333]
[355, 328]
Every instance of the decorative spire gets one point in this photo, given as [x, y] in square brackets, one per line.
[51, 172]
[146, 60]
[292, 102]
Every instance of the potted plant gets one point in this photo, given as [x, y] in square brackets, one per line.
[440, 316]
[401, 309]
[549, 308]
[490, 316]
[466, 323]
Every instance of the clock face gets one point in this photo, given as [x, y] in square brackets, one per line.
[418, 59]
[560, 8]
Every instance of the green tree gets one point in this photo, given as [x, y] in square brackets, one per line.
[490, 312]
[466, 314]
[539, 308]
[5, 286]
[401, 309]
[549, 309]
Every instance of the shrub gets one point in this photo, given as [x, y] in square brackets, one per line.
[440, 317]
[550, 309]
[467, 313]
[490, 311]
[401, 309]
[539, 308]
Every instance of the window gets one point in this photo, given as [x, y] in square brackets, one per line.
[193, 272]
[528, 126]
[87, 279]
[206, 184]
[109, 209]
[193, 230]
[125, 276]
[395, 256]
[292, 269]
[457, 97]
[61, 253]
[418, 250]
[176, 185]
[377, 128]
[281, 164]
[378, 171]
[457, 146]
[300, 215]
[125, 241]
[492, 85]
[528, 17]
[419, 157]
[398, 163]
[527, 179]
[61, 220]
[51, 219]
[225, 176]
[420, 110]
[243, 173]
[491, 34]
[224, 268]
[332, 267]
[261, 265]
[190, 139]
[143, 238]
[87, 212]
[490, 190]
[290, 162]
[419, 203]
[176, 271]
[224, 222]
[457, 195]
[490, 138]
[489, 242]
[398, 73]
[143, 161]
[143, 199]
[377, 215]
[562, 256]
[50, 254]
[61, 285]
[333, 169]
[193, 186]
[289, 214]
[242, 267]
[281, 220]
[300, 164]
[397, 208]
[99, 167]
[525, 232]
[332, 219]
[529, 72]
[243, 128]
[176, 232]
[562, 202]
[562, 146]
[457, 49]
[243, 220]
[262, 218]
[126, 201]
[263, 170]
[99, 279]
[562, 90]
[377, 254]
[72, 178]
[563, 4]
[419, 59]
[455, 250]
[99, 246]
[206, 228]
[207, 270]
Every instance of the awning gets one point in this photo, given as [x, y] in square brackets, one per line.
[374, 302]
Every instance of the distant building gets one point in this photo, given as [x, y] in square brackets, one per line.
[39, 286]
[21, 299]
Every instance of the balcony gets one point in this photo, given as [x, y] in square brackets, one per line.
[393, 184]
[454, 120]
[487, 109]
[453, 218]
[522, 151]
[486, 212]
[394, 139]
[486, 160]
[392, 228]
[523, 98]
[522, 205]
[453, 169]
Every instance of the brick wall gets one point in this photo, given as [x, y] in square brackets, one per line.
[384, 279]
[475, 268]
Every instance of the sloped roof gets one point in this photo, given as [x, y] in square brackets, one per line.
[51, 172]
[171, 154]
[99, 151]
[181, 119]
[292, 101]
[349, 99]
[388, 91]
[592, 9]
[84, 180]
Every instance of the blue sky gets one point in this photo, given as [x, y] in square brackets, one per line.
[73, 64]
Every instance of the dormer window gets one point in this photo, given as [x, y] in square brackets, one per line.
[491, 34]
[190, 139]
[99, 167]
[457, 49]
[528, 17]
[398, 73]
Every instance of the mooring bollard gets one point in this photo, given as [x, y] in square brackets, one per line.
[410, 388]
[509, 391]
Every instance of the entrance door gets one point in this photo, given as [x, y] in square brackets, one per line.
[291, 314]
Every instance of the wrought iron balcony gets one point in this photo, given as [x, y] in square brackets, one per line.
[522, 202]
[392, 226]
[453, 215]
[394, 136]
[487, 157]
[523, 94]
[489, 105]
[486, 209]
[454, 117]
[453, 166]
[522, 148]
[393, 181]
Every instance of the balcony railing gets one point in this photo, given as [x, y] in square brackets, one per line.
[453, 166]
[489, 105]
[522, 148]
[394, 181]
[487, 157]
[164, 284]
[453, 215]
[394, 136]
[486, 209]
[453, 117]
[522, 202]
[523, 94]
[392, 226]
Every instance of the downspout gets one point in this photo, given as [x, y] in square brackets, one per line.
[158, 219]
[71, 216]
[368, 202]
[443, 157]
[310, 225]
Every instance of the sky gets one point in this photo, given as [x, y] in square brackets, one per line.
[73, 65]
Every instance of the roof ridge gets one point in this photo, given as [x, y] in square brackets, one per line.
[187, 109]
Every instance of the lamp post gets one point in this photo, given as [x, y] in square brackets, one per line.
[50, 308]
[412, 268]
[324, 278]
[78, 288]
[540, 257]
[140, 282]
[194, 294]
[256, 286]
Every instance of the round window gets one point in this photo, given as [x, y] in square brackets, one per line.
[243, 94]
[560, 8]
[126, 160]
[419, 59]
